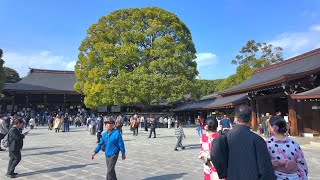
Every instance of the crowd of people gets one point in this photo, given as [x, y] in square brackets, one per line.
[239, 153]
[228, 149]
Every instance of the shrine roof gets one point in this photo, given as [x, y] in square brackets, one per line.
[218, 102]
[45, 80]
[311, 94]
[290, 69]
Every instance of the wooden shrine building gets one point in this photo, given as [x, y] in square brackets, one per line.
[42, 89]
[281, 87]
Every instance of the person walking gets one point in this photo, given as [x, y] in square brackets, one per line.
[32, 122]
[225, 124]
[119, 124]
[248, 157]
[180, 135]
[286, 154]
[15, 144]
[100, 128]
[57, 124]
[112, 139]
[3, 130]
[209, 170]
[199, 129]
[65, 123]
[153, 127]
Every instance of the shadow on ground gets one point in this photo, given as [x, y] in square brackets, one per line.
[55, 169]
[192, 146]
[166, 177]
[48, 153]
[31, 149]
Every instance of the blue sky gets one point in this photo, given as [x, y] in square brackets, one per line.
[47, 34]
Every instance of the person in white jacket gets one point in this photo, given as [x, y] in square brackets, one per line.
[169, 123]
[3, 130]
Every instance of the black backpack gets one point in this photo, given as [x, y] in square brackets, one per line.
[220, 154]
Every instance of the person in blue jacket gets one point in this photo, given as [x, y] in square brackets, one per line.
[113, 141]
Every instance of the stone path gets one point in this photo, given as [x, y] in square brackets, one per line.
[67, 156]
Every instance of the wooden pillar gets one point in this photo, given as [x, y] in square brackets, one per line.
[258, 112]
[254, 124]
[292, 106]
[13, 98]
[45, 102]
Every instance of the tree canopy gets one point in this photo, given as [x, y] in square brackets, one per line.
[137, 55]
[206, 87]
[12, 76]
[252, 57]
[2, 75]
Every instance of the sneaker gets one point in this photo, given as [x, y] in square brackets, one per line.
[183, 147]
[2, 150]
[176, 149]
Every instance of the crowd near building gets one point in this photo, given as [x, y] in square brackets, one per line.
[290, 88]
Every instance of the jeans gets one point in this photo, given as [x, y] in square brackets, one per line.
[199, 129]
[179, 142]
[66, 127]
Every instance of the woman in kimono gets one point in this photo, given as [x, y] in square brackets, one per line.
[286, 155]
[210, 172]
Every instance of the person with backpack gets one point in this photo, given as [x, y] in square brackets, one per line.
[3, 130]
[210, 172]
[15, 144]
[111, 143]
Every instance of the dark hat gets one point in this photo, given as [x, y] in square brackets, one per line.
[110, 122]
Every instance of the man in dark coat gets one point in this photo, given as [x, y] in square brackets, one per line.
[15, 139]
[100, 128]
[152, 127]
[248, 154]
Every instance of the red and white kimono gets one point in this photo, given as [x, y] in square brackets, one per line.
[210, 172]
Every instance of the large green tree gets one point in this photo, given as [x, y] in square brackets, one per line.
[134, 56]
[206, 87]
[12, 76]
[2, 75]
[252, 57]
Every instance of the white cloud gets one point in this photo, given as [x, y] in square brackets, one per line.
[42, 60]
[206, 63]
[315, 27]
[295, 43]
[206, 59]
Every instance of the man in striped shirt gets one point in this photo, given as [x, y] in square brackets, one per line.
[179, 134]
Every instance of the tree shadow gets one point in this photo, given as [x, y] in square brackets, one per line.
[30, 149]
[167, 176]
[55, 169]
[47, 153]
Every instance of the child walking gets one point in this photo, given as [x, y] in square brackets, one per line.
[179, 134]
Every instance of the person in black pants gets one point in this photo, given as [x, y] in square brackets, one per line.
[15, 139]
[153, 127]
[100, 128]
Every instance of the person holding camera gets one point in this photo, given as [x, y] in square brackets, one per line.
[15, 144]
[210, 172]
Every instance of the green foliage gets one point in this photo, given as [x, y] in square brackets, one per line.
[258, 55]
[12, 76]
[2, 74]
[252, 57]
[206, 87]
[136, 56]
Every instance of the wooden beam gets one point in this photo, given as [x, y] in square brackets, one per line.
[254, 123]
[292, 107]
